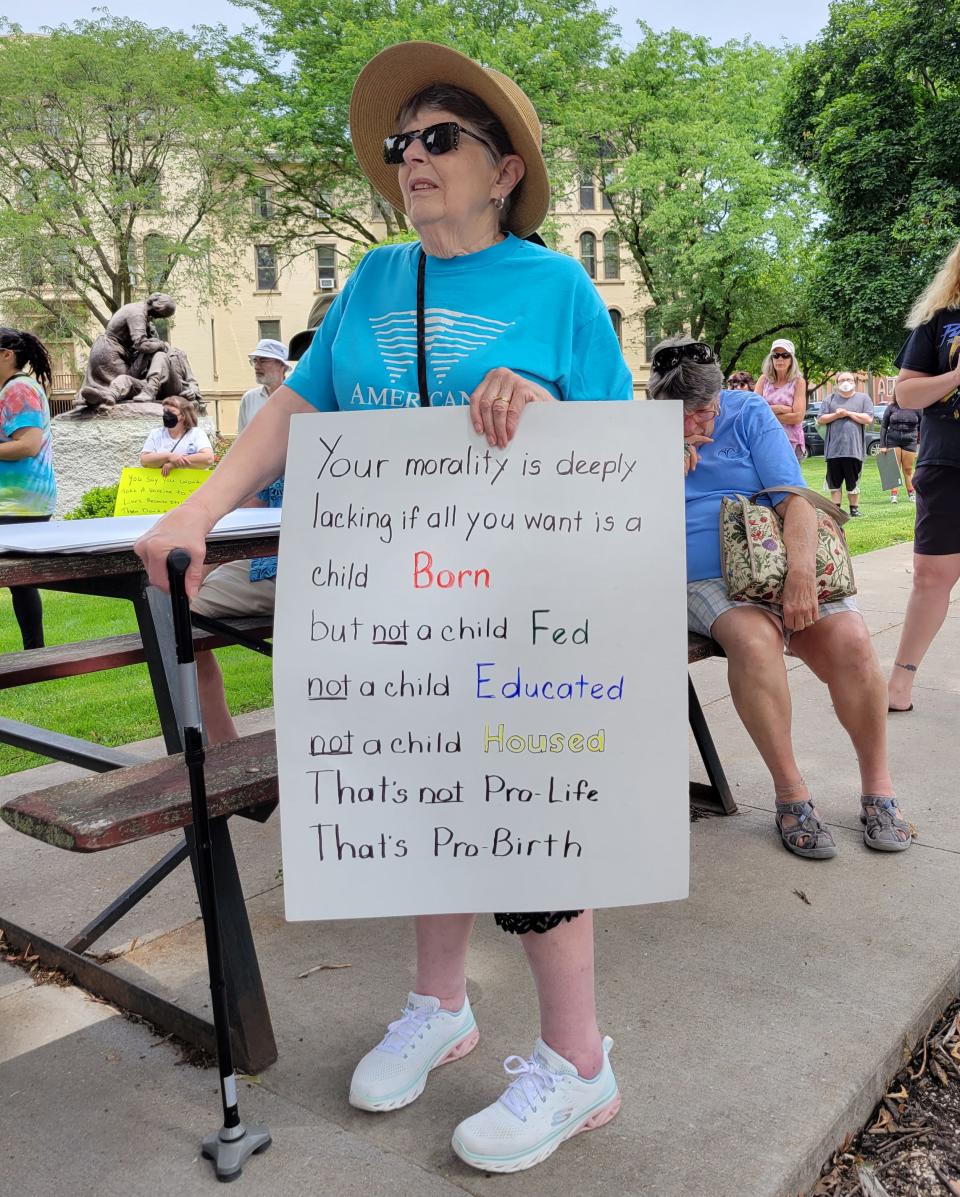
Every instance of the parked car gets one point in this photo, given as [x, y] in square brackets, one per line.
[813, 436]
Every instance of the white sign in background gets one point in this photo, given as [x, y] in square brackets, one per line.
[480, 663]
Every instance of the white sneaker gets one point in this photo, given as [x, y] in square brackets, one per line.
[894, 499]
[913, 496]
[546, 1104]
[394, 1073]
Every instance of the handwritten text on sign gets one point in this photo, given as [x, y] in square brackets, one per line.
[146, 491]
[480, 663]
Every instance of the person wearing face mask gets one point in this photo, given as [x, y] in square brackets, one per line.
[844, 414]
[782, 385]
[269, 361]
[179, 444]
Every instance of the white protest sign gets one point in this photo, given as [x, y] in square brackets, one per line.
[480, 671]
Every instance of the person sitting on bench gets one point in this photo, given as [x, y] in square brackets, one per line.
[733, 445]
[238, 588]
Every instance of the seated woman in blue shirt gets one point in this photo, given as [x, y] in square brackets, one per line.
[734, 445]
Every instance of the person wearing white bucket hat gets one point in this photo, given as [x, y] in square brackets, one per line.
[269, 361]
[472, 314]
[784, 389]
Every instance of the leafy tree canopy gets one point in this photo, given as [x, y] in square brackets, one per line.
[716, 222]
[871, 110]
[120, 144]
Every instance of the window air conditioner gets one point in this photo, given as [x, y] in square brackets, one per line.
[327, 284]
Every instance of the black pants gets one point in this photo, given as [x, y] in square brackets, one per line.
[27, 606]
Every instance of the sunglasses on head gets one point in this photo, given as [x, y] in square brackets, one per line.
[673, 355]
[437, 139]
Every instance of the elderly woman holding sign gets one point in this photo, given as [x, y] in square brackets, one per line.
[457, 146]
[733, 446]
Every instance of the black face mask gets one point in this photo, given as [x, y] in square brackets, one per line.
[169, 419]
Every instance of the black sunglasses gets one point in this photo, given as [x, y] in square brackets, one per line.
[673, 355]
[781, 353]
[437, 139]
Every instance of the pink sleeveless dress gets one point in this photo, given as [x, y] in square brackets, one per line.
[783, 394]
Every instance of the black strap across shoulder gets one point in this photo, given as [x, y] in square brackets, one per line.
[422, 332]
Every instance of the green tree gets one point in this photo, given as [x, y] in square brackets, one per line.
[299, 82]
[871, 111]
[716, 223]
[114, 133]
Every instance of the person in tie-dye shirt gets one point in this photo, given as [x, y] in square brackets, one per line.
[28, 490]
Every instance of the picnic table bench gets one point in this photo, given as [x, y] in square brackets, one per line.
[716, 796]
[136, 802]
[119, 574]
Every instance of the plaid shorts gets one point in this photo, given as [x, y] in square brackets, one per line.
[708, 600]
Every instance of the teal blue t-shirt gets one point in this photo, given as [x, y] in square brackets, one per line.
[515, 305]
[27, 485]
[748, 452]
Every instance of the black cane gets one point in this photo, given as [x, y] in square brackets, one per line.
[229, 1147]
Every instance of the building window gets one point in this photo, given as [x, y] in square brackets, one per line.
[263, 207]
[326, 267]
[588, 199]
[152, 192]
[611, 255]
[651, 333]
[268, 330]
[266, 256]
[616, 319]
[154, 261]
[588, 253]
[605, 202]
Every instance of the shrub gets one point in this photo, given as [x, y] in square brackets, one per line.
[95, 504]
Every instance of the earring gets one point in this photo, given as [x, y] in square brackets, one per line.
[498, 203]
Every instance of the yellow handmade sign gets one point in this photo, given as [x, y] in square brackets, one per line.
[145, 491]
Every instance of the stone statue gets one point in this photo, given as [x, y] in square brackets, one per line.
[129, 361]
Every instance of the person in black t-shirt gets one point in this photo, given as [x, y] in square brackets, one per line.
[899, 434]
[929, 381]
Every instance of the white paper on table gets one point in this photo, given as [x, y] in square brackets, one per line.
[113, 534]
[389, 802]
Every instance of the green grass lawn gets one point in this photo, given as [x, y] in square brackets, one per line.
[113, 707]
[117, 707]
[883, 523]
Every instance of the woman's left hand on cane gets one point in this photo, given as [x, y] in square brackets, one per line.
[497, 403]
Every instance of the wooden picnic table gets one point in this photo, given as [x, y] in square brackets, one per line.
[120, 575]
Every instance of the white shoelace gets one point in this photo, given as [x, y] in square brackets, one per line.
[401, 1033]
[532, 1085]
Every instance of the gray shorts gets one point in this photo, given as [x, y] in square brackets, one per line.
[708, 600]
[227, 590]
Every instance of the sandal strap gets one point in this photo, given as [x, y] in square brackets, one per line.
[808, 826]
[884, 816]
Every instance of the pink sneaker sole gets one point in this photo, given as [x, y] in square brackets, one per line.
[461, 1049]
[600, 1118]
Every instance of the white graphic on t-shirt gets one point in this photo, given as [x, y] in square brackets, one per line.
[450, 338]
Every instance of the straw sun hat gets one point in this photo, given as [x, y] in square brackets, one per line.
[399, 73]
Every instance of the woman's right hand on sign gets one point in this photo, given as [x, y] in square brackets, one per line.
[185, 527]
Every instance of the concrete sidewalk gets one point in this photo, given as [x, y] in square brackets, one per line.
[754, 1030]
